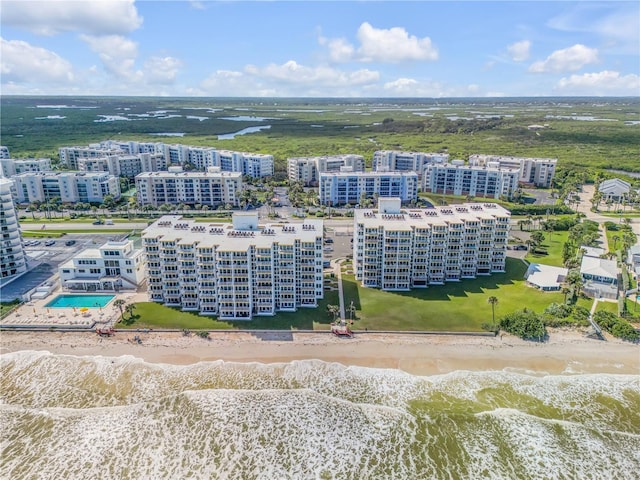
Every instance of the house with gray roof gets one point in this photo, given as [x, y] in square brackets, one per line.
[633, 259]
[600, 277]
[614, 189]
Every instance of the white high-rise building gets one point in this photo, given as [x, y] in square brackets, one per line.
[13, 261]
[456, 178]
[176, 186]
[69, 155]
[14, 166]
[308, 169]
[124, 165]
[69, 187]
[400, 249]
[350, 187]
[533, 171]
[4, 152]
[395, 161]
[133, 147]
[234, 271]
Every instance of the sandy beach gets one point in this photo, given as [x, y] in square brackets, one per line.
[565, 352]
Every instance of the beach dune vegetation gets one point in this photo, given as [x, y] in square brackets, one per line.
[525, 324]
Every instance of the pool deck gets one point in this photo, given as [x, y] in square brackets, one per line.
[35, 314]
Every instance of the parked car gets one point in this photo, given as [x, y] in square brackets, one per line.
[328, 240]
[68, 243]
[48, 243]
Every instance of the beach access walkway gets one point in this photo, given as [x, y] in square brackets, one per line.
[337, 268]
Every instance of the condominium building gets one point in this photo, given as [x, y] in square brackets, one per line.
[12, 166]
[159, 156]
[308, 169]
[533, 171]
[256, 165]
[4, 152]
[124, 165]
[132, 147]
[175, 186]
[69, 187]
[112, 267]
[456, 178]
[350, 187]
[395, 161]
[398, 249]
[13, 261]
[69, 156]
[237, 270]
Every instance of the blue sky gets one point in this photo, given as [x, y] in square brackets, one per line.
[320, 49]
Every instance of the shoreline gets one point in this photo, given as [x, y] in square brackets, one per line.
[566, 352]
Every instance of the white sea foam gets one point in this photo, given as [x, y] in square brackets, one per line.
[63, 416]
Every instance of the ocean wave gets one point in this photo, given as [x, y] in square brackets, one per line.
[65, 416]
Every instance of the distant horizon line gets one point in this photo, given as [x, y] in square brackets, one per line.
[541, 97]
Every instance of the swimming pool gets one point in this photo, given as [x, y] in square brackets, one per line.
[80, 301]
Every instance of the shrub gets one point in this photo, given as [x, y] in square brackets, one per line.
[624, 330]
[525, 324]
[563, 315]
[618, 327]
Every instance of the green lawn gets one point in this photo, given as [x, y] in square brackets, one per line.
[614, 245]
[38, 234]
[459, 306]
[6, 307]
[154, 315]
[632, 307]
[553, 244]
[61, 231]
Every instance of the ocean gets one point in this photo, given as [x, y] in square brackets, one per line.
[68, 417]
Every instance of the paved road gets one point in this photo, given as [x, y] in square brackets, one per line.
[585, 207]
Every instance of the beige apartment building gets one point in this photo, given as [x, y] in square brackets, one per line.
[401, 249]
[234, 270]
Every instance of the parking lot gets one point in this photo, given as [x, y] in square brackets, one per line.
[45, 257]
[338, 242]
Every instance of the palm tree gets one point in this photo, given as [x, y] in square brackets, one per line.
[574, 278]
[493, 301]
[615, 239]
[352, 310]
[129, 309]
[120, 304]
[565, 291]
[333, 310]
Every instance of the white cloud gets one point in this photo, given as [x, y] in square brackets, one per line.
[161, 70]
[294, 73]
[117, 53]
[606, 82]
[288, 79]
[103, 17]
[26, 64]
[566, 60]
[519, 51]
[409, 87]
[340, 50]
[391, 45]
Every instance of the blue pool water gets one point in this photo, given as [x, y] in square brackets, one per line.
[79, 301]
